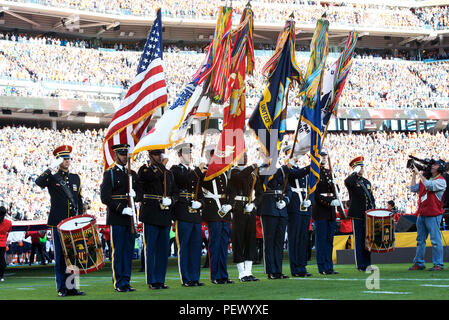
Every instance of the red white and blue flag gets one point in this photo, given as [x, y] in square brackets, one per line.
[146, 94]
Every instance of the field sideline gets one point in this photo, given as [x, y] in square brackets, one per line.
[395, 282]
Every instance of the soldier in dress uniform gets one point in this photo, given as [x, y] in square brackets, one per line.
[115, 193]
[66, 201]
[159, 195]
[187, 216]
[217, 215]
[299, 212]
[324, 215]
[273, 213]
[244, 245]
[361, 199]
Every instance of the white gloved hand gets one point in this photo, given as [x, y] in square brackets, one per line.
[226, 208]
[306, 203]
[292, 161]
[163, 156]
[280, 204]
[203, 160]
[132, 193]
[128, 211]
[335, 203]
[196, 204]
[55, 163]
[166, 201]
[249, 207]
[357, 169]
[259, 163]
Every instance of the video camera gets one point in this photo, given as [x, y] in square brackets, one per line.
[426, 165]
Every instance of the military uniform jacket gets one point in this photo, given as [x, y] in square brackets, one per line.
[61, 208]
[113, 193]
[360, 196]
[186, 180]
[324, 195]
[239, 187]
[298, 179]
[151, 180]
[214, 197]
[273, 193]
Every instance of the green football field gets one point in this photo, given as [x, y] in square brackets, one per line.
[386, 282]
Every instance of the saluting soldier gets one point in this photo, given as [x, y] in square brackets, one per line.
[273, 214]
[299, 212]
[159, 195]
[66, 201]
[361, 199]
[187, 216]
[217, 215]
[241, 195]
[324, 215]
[115, 192]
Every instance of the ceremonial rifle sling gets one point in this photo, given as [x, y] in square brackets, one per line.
[67, 192]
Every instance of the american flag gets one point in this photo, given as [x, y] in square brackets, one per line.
[146, 94]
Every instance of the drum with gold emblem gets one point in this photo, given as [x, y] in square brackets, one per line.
[81, 243]
[379, 230]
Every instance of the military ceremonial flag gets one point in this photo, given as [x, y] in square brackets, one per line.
[268, 120]
[334, 80]
[146, 94]
[311, 94]
[231, 144]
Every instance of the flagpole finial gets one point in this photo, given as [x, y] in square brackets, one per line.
[324, 16]
[248, 4]
[292, 16]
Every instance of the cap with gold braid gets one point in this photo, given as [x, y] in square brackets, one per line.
[356, 162]
[120, 148]
[63, 151]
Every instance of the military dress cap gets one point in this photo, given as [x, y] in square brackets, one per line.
[157, 151]
[63, 151]
[356, 162]
[120, 148]
[287, 148]
[324, 152]
[210, 149]
[184, 147]
[3, 211]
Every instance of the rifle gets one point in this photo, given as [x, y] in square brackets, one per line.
[131, 200]
[340, 208]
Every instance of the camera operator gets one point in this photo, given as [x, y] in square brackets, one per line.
[430, 210]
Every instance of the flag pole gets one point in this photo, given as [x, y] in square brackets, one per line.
[204, 135]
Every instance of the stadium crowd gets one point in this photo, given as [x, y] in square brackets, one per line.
[307, 12]
[373, 82]
[26, 152]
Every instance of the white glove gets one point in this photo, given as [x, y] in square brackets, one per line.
[249, 207]
[292, 161]
[132, 193]
[335, 203]
[226, 208]
[55, 163]
[128, 211]
[203, 160]
[280, 204]
[357, 169]
[163, 156]
[196, 204]
[259, 163]
[166, 201]
[306, 203]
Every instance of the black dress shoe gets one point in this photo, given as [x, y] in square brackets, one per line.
[188, 284]
[130, 289]
[332, 272]
[62, 293]
[198, 284]
[282, 276]
[75, 292]
[163, 286]
[245, 279]
[218, 281]
[272, 276]
[227, 281]
[122, 289]
[253, 278]
[302, 274]
[154, 286]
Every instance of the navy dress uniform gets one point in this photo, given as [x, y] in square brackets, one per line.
[188, 220]
[244, 204]
[217, 215]
[156, 212]
[273, 215]
[361, 199]
[299, 213]
[114, 191]
[66, 201]
[324, 216]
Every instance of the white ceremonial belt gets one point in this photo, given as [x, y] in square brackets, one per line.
[327, 194]
[241, 198]
[299, 190]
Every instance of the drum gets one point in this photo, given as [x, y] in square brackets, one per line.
[379, 230]
[81, 243]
